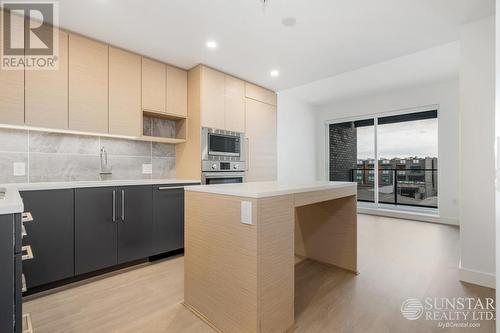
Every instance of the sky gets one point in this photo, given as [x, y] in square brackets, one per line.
[406, 139]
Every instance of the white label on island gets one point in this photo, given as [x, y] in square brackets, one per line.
[246, 212]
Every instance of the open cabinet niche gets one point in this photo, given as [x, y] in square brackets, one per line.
[159, 128]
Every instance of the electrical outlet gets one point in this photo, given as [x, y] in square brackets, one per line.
[19, 169]
[147, 169]
[246, 212]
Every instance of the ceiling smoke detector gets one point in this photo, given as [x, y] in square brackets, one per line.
[289, 21]
[265, 3]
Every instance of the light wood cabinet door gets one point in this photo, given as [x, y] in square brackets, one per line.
[124, 93]
[11, 89]
[47, 92]
[262, 141]
[154, 83]
[176, 91]
[212, 98]
[260, 94]
[88, 85]
[234, 104]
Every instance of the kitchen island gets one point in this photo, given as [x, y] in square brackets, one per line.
[242, 241]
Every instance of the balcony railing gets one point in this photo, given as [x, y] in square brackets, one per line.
[409, 187]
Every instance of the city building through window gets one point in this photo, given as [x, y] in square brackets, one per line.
[406, 148]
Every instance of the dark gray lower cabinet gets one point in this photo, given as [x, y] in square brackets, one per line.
[168, 218]
[6, 273]
[82, 230]
[50, 235]
[96, 216]
[113, 225]
[135, 223]
[10, 274]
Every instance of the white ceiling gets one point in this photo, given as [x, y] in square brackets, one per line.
[435, 64]
[331, 36]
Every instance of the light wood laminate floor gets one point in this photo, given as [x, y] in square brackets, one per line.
[397, 260]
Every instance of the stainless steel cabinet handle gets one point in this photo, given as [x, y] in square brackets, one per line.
[29, 253]
[170, 188]
[247, 151]
[114, 206]
[26, 217]
[123, 205]
[23, 283]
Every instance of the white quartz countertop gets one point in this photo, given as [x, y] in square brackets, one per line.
[102, 183]
[13, 203]
[268, 189]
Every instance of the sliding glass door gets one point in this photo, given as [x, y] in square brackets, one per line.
[352, 155]
[392, 158]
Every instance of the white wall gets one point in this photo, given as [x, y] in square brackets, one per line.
[477, 157]
[444, 94]
[497, 133]
[296, 139]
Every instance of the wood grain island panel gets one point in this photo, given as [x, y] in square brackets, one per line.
[240, 277]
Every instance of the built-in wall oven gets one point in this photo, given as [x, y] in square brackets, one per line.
[223, 156]
[223, 177]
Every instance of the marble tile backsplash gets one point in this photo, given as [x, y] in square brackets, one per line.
[64, 157]
[163, 128]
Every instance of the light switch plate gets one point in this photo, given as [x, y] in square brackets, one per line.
[19, 169]
[147, 169]
[246, 212]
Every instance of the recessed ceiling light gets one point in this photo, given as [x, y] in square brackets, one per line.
[274, 73]
[211, 44]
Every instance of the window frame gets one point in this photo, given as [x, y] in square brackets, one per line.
[375, 117]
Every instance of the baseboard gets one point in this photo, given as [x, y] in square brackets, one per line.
[408, 215]
[475, 277]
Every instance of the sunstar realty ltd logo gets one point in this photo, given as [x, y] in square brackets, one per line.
[30, 37]
[450, 312]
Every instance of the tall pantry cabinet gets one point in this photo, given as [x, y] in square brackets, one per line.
[221, 101]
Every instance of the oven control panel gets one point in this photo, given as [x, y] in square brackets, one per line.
[222, 166]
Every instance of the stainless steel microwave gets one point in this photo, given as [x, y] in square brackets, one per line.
[222, 145]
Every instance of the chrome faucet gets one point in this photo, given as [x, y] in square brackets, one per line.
[105, 168]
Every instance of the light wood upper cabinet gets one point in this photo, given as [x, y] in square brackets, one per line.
[154, 84]
[212, 98]
[47, 92]
[260, 94]
[11, 90]
[262, 141]
[176, 91]
[88, 85]
[234, 104]
[124, 93]
[12, 97]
